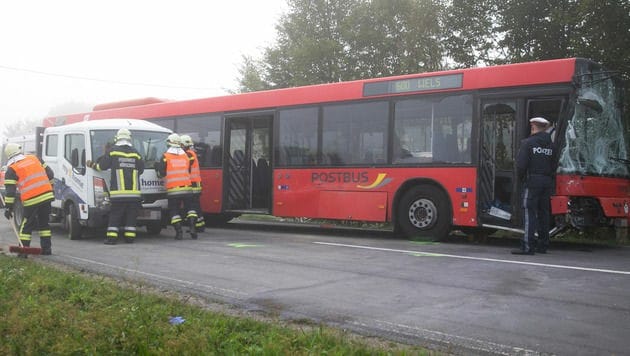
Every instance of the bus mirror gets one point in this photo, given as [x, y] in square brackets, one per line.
[591, 101]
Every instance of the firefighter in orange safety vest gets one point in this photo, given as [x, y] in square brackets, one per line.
[195, 178]
[29, 176]
[174, 168]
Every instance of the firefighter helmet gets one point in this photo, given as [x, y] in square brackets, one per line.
[186, 140]
[123, 134]
[173, 140]
[12, 149]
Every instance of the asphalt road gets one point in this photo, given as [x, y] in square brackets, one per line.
[454, 296]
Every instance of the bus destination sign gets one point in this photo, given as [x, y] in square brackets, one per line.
[438, 82]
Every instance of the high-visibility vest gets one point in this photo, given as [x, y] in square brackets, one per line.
[195, 172]
[33, 182]
[177, 178]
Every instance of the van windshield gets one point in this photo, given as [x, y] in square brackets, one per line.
[150, 144]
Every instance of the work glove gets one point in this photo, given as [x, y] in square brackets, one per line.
[8, 213]
[90, 164]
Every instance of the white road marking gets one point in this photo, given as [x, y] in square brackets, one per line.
[483, 346]
[181, 281]
[612, 271]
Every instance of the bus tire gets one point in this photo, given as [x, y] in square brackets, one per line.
[424, 213]
[71, 223]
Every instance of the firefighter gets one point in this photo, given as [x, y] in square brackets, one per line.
[174, 167]
[535, 167]
[125, 196]
[195, 178]
[33, 179]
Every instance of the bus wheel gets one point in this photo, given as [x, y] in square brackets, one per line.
[71, 223]
[424, 213]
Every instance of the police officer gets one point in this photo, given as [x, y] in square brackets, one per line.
[535, 168]
[32, 178]
[125, 195]
[174, 167]
[195, 178]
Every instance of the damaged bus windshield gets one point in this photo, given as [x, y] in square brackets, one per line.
[596, 135]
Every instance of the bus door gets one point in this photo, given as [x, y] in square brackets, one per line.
[502, 130]
[247, 163]
[498, 196]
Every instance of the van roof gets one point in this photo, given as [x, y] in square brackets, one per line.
[111, 124]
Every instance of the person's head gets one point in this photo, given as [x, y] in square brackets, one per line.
[186, 141]
[123, 135]
[173, 140]
[538, 124]
[11, 150]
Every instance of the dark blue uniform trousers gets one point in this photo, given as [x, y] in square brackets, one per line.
[536, 204]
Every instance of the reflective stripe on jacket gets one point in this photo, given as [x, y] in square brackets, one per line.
[177, 180]
[126, 166]
[195, 172]
[32, 181]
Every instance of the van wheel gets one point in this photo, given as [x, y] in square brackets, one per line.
[18, 213]
[154, 229]
[424, 213]
[71, 223]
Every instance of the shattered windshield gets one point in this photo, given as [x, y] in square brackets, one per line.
[151, 145]
[596, 137]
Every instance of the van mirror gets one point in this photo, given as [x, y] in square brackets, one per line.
[74, 158]
[80, 170]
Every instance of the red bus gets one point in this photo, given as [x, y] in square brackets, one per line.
[427, 152]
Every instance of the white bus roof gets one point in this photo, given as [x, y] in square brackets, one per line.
[111, 124]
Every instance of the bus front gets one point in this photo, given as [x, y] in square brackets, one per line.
[593, 177]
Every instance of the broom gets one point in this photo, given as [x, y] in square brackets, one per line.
[20, 248]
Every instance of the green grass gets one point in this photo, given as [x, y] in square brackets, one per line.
[44, 310]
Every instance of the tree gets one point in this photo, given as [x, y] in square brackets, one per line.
[250, 75]
[392, 37]
[324, 41]
[20, 127]
[473, 34]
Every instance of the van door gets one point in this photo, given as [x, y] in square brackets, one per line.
[247, 163]
[73, 179]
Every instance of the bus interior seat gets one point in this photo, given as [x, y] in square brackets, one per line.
[369, 157]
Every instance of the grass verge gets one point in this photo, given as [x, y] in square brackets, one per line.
[44, 310]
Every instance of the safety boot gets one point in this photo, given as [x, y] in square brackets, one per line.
[46, 245]
[25, 243]
[193, 230]
[178, 231]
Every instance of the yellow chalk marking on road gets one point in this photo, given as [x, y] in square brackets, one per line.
[241, 245]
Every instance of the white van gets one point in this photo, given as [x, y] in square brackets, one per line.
[81, 195]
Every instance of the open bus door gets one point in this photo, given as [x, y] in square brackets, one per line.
[502, 129]
[498, 195]
[247, 163]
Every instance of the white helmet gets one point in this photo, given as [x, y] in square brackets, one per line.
[186, 140]
[12, 149]
[173, 140]
[123, 134]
